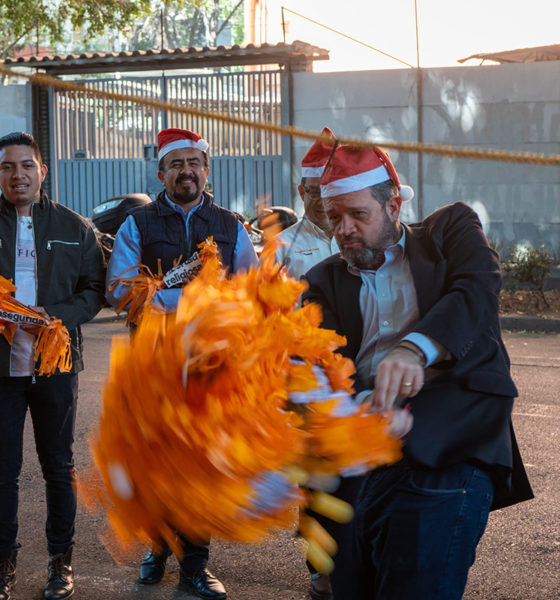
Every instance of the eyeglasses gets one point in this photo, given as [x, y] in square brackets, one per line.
[312, 191]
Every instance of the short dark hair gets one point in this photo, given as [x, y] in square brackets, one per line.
[20, 138]
[383, 192]
[160, 163]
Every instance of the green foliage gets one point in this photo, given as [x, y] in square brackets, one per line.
[185, 23]
[527, 266]
[21, 20]
[188, 23]
[496, 244]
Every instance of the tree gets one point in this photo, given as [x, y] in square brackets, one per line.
[23, 21]
[185, 23]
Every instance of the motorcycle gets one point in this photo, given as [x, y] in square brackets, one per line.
[108, 216]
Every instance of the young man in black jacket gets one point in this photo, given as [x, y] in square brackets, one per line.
[53, 258]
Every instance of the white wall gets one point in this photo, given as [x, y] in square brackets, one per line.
[15, 108]
[511, 107]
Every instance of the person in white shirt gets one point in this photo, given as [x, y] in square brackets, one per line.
[309, 241]
[304, 244]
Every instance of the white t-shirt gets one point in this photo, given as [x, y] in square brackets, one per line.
[21, 362]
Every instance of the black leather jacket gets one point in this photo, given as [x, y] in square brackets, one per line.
[70, 268]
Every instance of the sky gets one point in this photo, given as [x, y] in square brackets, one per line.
[448, 29]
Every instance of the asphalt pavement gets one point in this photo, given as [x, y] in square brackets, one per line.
[508, 323]
[518, 558]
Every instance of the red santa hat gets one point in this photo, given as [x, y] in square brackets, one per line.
[351, 169]
[313, 163]
[173, 138]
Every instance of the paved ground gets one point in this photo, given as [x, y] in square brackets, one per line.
[519, 557]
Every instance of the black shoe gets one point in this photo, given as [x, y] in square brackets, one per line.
[61, 579]
[203, 584]
[152, 566]
[7, 576]
[320, 587]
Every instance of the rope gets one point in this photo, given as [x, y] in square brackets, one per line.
[535, 158]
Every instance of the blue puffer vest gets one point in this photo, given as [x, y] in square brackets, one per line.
[163, 235]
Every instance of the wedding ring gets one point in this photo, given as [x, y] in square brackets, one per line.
[407, 383]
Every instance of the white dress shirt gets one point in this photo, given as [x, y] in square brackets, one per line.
[305, 246]
[389, 308]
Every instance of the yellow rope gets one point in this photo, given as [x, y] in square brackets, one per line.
[535, 158]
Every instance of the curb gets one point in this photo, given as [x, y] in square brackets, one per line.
[507, 323]
[530, 324]
[108, 319]
[108, 316]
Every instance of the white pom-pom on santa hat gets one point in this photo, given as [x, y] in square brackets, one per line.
[406, 193]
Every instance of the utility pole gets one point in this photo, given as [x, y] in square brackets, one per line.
[419, 122]
[161, 26]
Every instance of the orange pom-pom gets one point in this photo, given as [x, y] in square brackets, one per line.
[52, 345]
[52, 348]
[198, 431]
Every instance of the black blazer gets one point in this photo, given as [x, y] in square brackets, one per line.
[464, 413]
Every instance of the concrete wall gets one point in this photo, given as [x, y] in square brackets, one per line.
[511, 107]
[15, 108]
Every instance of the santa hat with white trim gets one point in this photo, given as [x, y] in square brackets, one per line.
[313, 163]
[351, 169]
[173, 138]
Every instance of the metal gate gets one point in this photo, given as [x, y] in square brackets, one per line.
[104, 147]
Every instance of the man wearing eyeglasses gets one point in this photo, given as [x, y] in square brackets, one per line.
[310, 240]
[182, 216]
[306, 243]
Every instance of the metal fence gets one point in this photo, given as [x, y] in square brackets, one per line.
[105, 147]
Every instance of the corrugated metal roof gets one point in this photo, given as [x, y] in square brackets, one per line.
[299, 56]
[520, 55]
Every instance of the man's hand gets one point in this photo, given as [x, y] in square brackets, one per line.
[34, 329]
[399, 375]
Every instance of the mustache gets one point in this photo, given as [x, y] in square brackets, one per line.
[352, 238]
[186, 178]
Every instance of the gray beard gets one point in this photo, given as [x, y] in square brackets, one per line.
[372, 257]
[365, 257]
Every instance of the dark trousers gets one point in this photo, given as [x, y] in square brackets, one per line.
[195, 556]
[343, 535]
[416, 532]
[52, 405]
